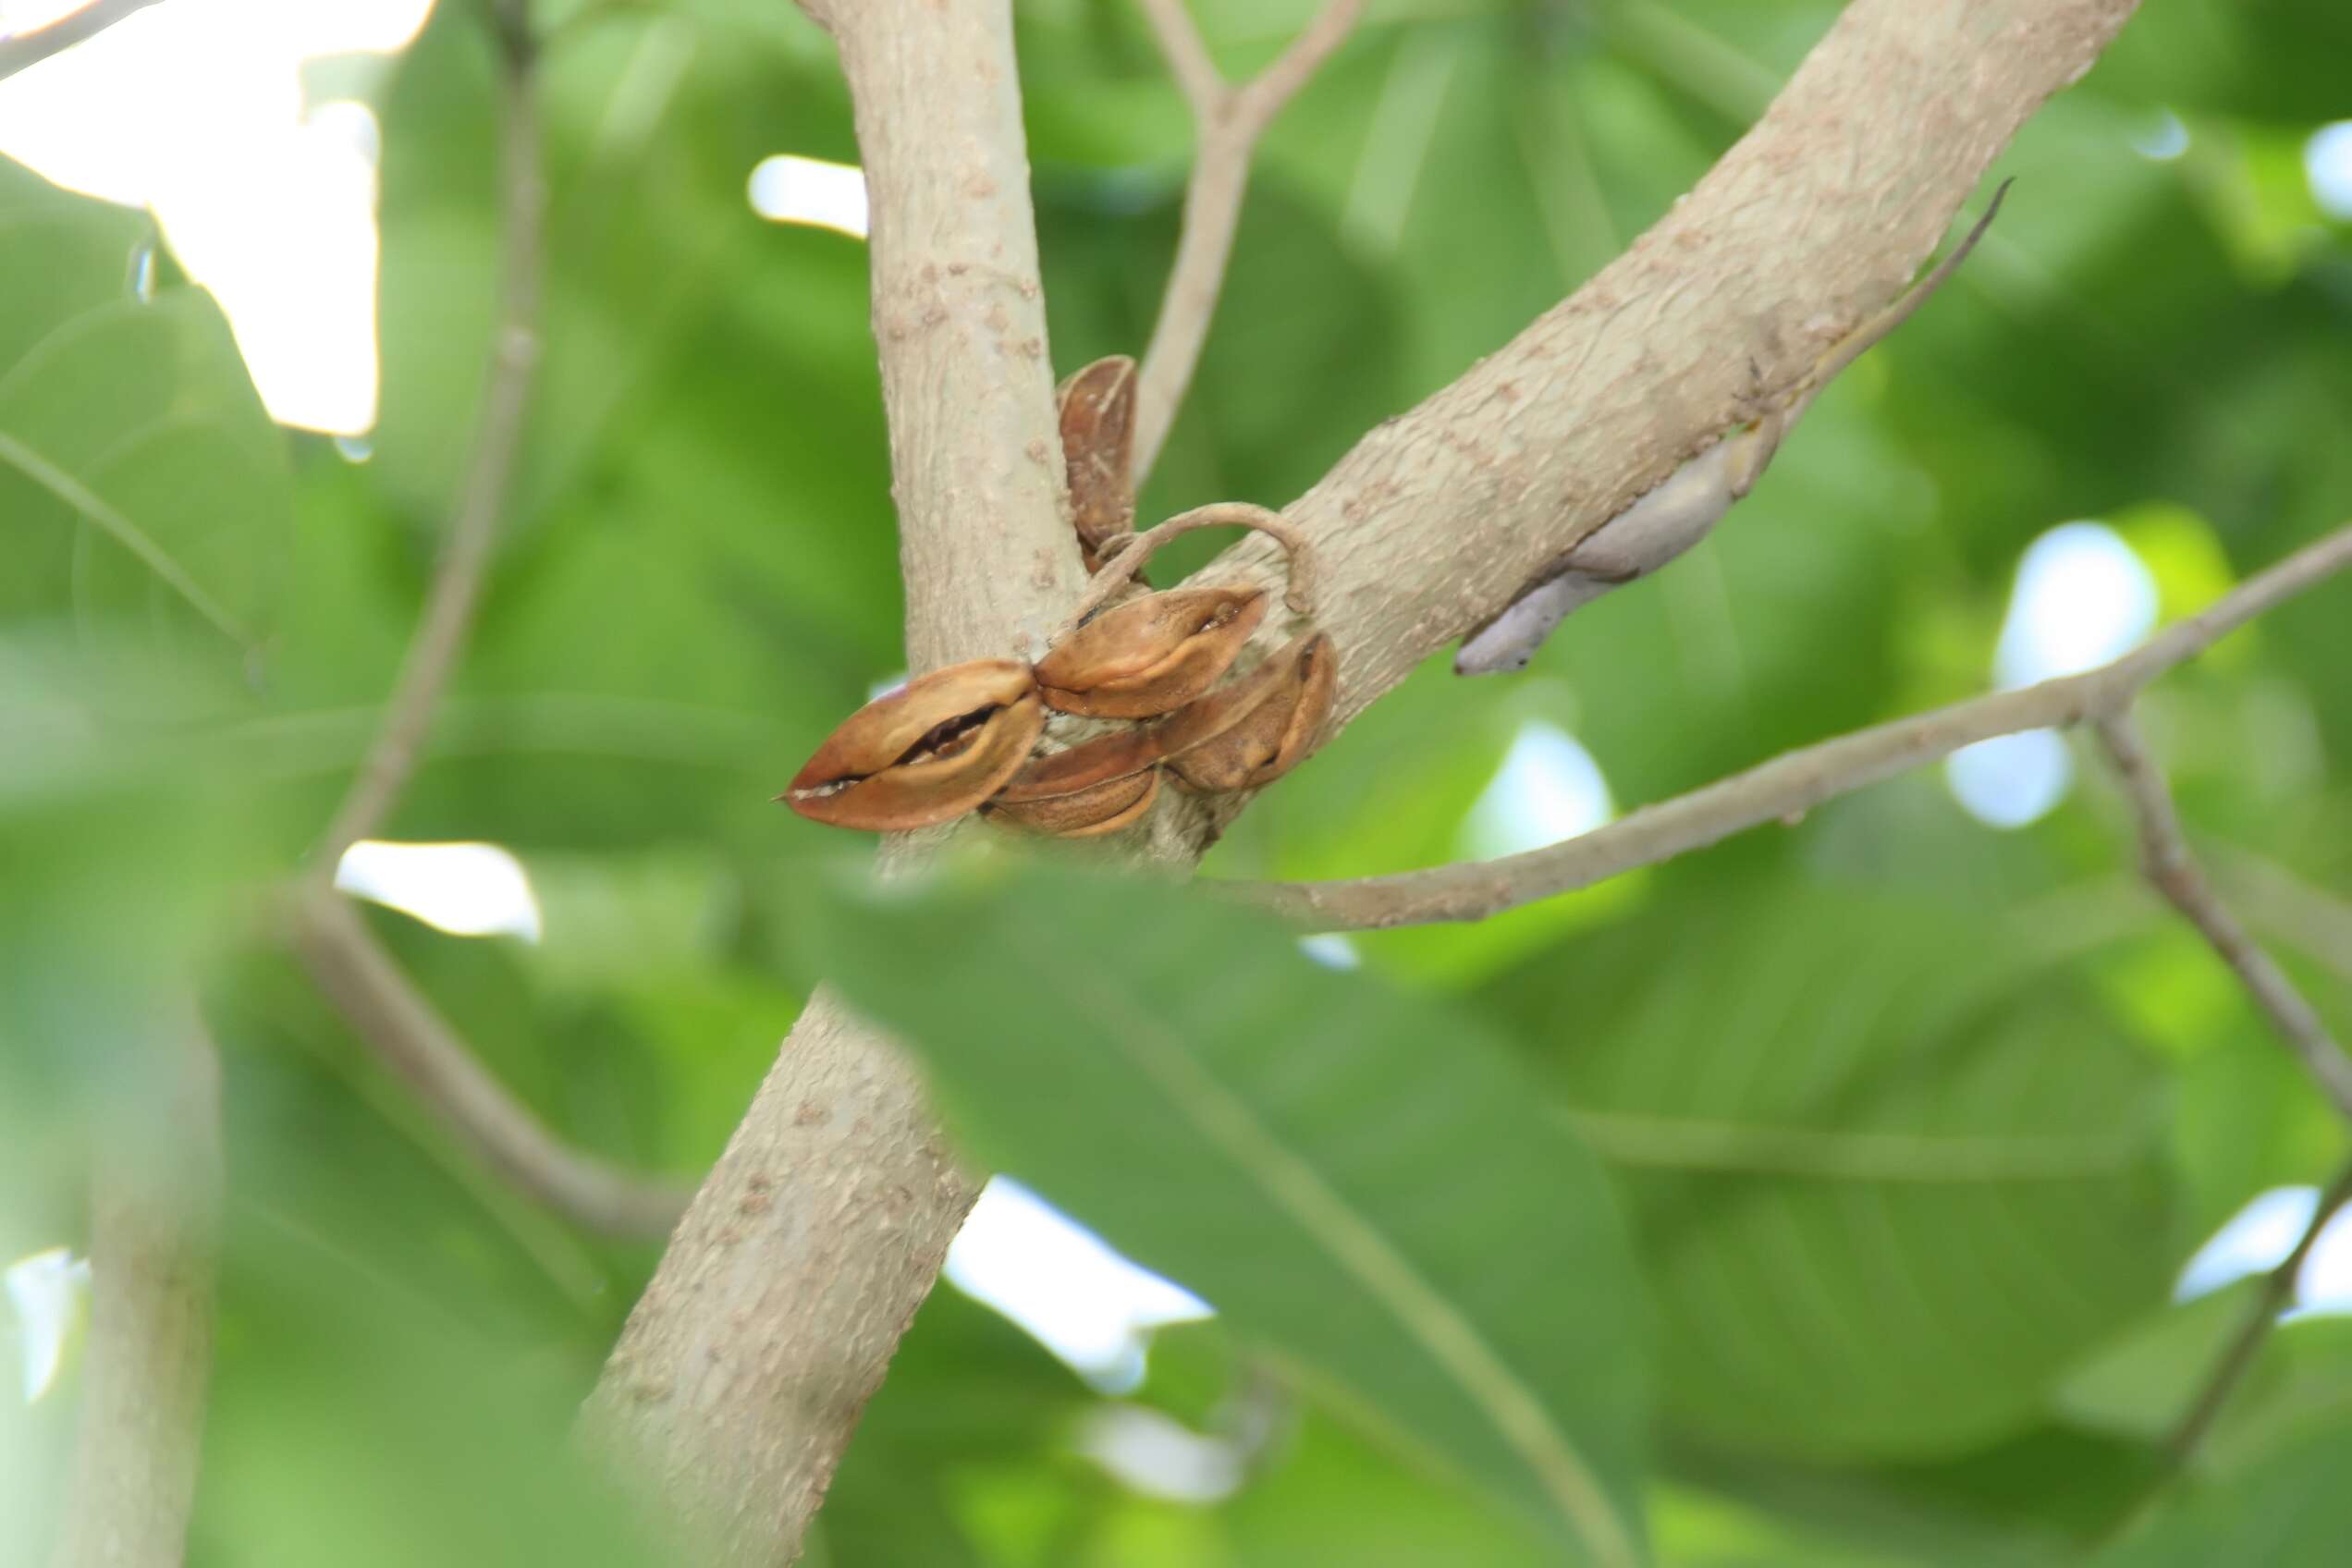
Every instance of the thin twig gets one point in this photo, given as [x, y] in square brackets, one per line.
[343, 956]
[1228, 122]
[482, 495]
[2230, 1368]
[20, 50]
[2222, 1382]
[1789, 785]
[154, 1226]
[2165, 858]
[1299, 594]
[417, 1044]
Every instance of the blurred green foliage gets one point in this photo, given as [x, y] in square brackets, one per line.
[1821, 1192]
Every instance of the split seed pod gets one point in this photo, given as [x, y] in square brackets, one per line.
[1089, 814]
[1099, 786]
[924, 754]
[1098, 406]
[1260, 727]
[1150, 655]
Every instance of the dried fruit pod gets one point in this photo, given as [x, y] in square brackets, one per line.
[925, 754]
[1150, 655]
[1085, 813]
[1260, 727]
[1098, 406]
[1122, 753]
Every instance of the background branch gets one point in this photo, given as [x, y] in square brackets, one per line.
[1228, 121]
[2165, 858]
[2237, 1358]
[359, 977]
[483, 494]
[154, 1222]
[1790, 784]
[20, 50]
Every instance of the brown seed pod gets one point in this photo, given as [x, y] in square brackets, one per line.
[1098, 405]
[924, 754]
[1260, 727]
[1150, 655]
[1085, 813]
[1122, 753]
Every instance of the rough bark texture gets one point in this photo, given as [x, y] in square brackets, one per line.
[985, 542]
[819, 1234]
[1812, 223]
[820, 1230]
[154, 1216]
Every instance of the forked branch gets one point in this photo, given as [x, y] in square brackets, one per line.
[356, 973]
[1229, 119]
[440, 638]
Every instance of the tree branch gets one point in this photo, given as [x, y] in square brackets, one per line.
[742, 1370]
[2314, 921]
[1120, 569]
[1228, 121]
[482, 495]
[412, 1039]
[741, 1373]
[2230, 1368]
[154, 1221]
[2166, 860]
[985, 542]
[19, 50]
[357, 976]
[1811, 223]
[1789, 785]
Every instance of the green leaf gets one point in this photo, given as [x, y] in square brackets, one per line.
[2292, 1512]
[141, 480]
[1357, 1181]
[1890, 1180]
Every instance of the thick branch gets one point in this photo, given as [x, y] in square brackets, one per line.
[741, 1373]
[23, 49]
[1228, 120]
[1814, 221]
[441, 634]
[960, 320]
[1790, 784]
[418, 1045]
[155, 1212]
[2164, 857]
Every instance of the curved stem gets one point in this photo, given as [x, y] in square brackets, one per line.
[484, 493]
[347, 963]
[1122, 568]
